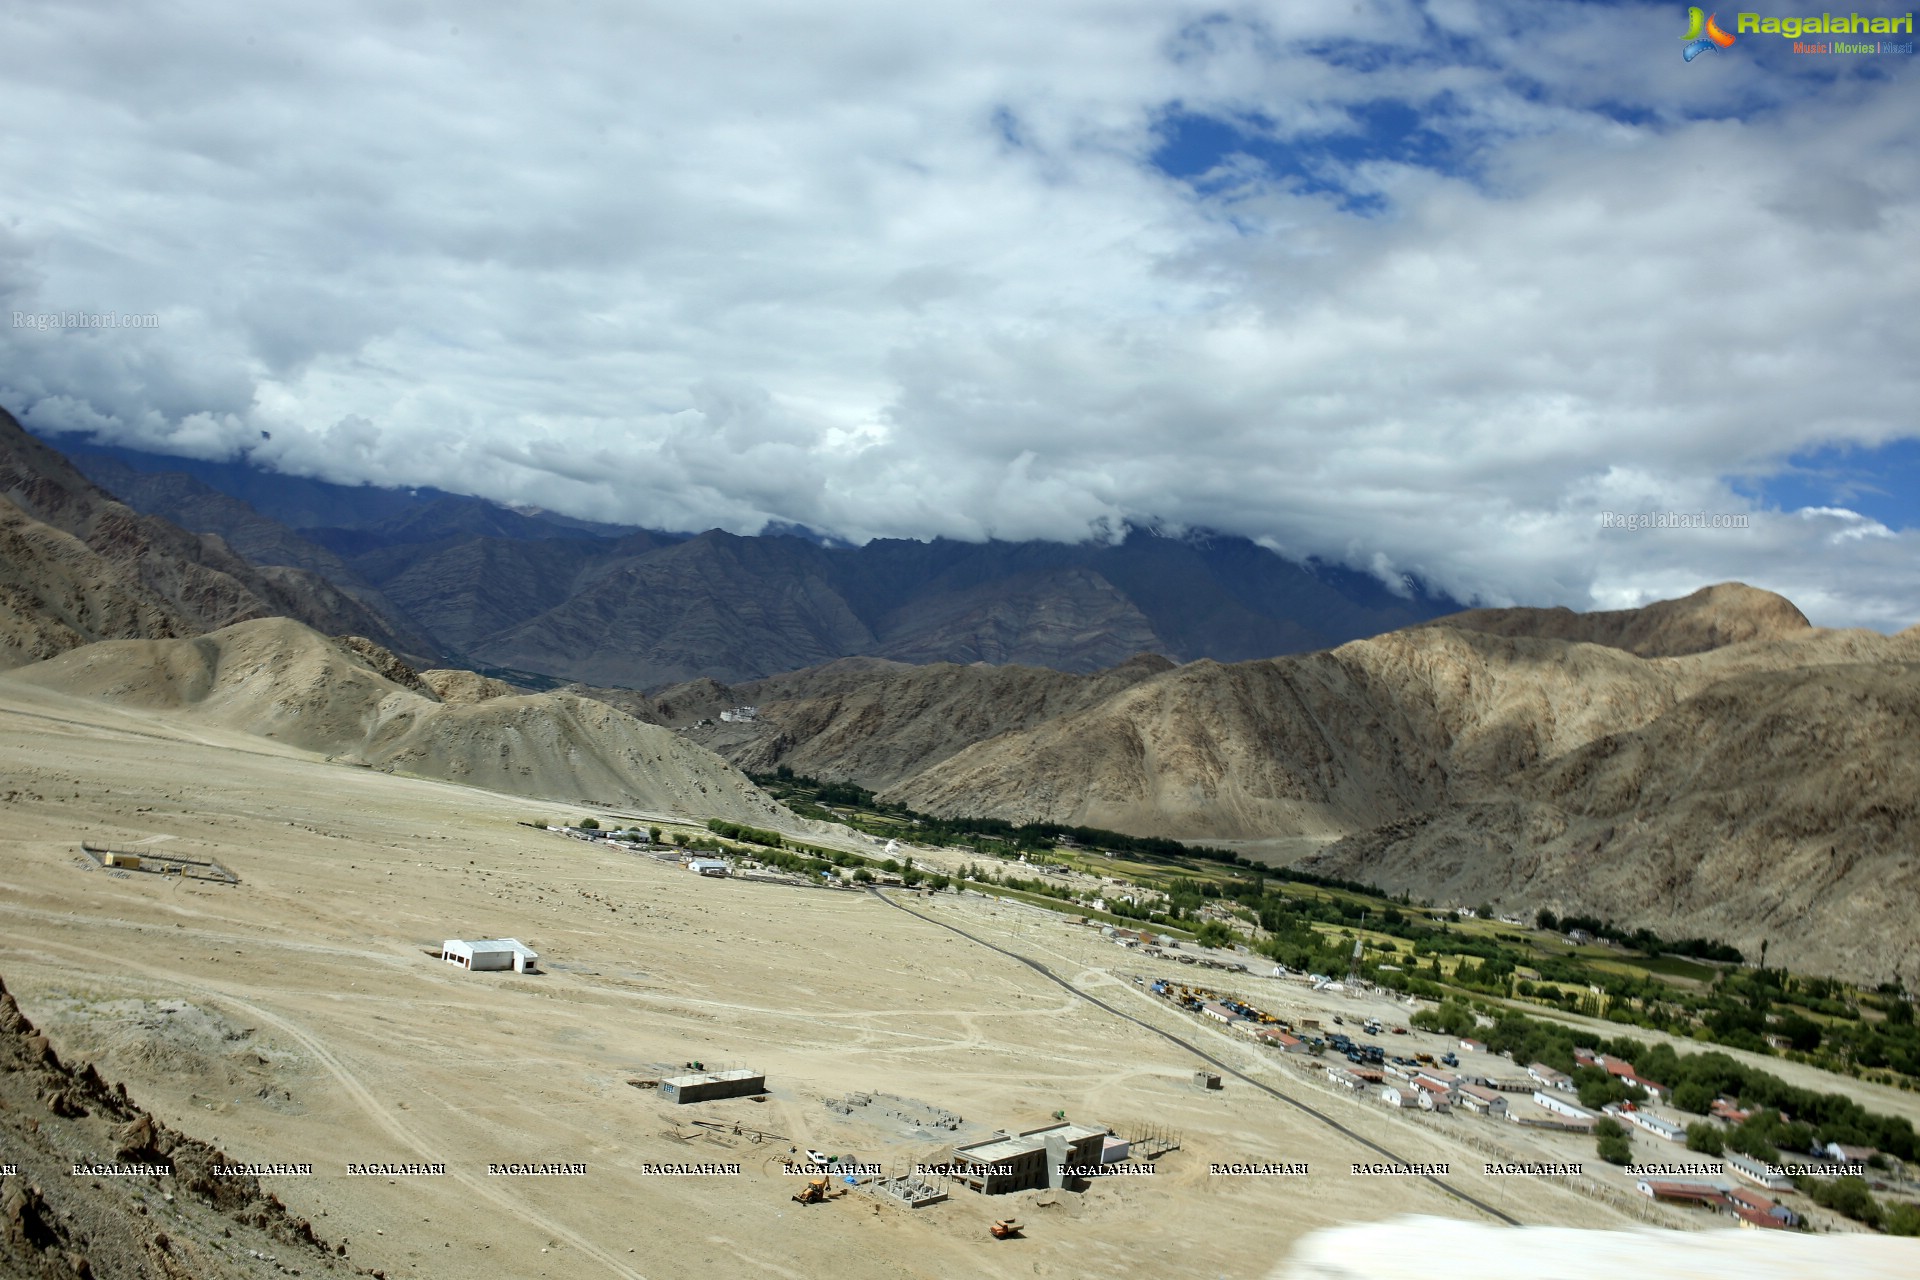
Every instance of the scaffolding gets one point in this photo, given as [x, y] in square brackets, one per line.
[1146, 1141]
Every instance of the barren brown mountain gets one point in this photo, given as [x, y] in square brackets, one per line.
[264, 543]
[1711, 618]
[80, 566]
[350, 701]
[877, 722]
[1776, 805]
[1449, 762]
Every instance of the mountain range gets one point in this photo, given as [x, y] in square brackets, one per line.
[77, 565]
[539, 596]
[1709, 766]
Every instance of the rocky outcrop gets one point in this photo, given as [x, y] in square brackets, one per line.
[217, 1224]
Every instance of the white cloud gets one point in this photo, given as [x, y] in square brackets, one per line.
[908, 271]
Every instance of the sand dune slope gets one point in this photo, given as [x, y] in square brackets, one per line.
[278, 679]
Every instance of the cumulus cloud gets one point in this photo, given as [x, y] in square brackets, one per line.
[1473, 275]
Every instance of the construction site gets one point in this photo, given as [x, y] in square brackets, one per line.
[152, 861]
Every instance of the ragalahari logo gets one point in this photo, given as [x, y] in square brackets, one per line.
[1703, 33]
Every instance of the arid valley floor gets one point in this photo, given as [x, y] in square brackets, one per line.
[302, 1017]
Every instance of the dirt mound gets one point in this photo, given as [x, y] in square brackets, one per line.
[277, 679]
[196, 1219]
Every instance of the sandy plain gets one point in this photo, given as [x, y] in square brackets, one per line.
[301, 1016]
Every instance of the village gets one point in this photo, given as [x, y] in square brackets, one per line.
[1343, 1037]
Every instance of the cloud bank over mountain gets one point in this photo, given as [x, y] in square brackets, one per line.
[1422, 289]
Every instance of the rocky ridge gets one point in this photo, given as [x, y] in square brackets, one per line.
[193, 1220]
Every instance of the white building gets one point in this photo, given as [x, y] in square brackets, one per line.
[707, 867]
[1659, 1126]
[1549, 1076]
[1560, 1106]
[1772, 1177]
[491, 954]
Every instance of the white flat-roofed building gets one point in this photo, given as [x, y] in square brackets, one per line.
[1759, 1172]
[1560, 1106]
[1659, 1126]
[489, 954]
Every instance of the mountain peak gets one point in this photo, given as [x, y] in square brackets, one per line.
[1713, 617]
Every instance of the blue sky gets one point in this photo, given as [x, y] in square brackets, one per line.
[1881, 483]
[1424, 288]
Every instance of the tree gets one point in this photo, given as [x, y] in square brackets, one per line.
[1802, 1033]
[1596, 1088]
[1846, 1195]
[1547, 920]
[862, 876]
[1212, 933]
[589, 824]
[1706, 1138]
[653, 834]
[1693, 1095]
[1612, 1141]
[680, 838]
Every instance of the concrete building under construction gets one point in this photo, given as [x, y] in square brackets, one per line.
[1035, 1158]
[704, 1086]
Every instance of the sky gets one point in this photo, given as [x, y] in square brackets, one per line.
[1459, 290]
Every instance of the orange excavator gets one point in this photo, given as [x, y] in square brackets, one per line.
[1005, 1229]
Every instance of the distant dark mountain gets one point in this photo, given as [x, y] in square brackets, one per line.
[614, 606]
[321, 507]
[466, 590]
[197, 507]
[739, 609]
[295, 501]
[445, 518]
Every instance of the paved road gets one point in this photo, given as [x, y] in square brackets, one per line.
[1204, 1056]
